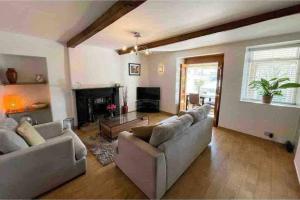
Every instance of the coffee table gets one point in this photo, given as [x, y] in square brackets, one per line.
[111, 127]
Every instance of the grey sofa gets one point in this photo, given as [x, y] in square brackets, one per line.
[30, 172]
[155, 166]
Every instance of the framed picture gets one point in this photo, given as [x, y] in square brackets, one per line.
[134, 69]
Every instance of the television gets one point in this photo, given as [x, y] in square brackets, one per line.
[150, 93]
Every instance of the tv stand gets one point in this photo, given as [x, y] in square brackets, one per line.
[147, 105]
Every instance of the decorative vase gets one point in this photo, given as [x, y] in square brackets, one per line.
[11, 75]
[267, 99]
[124, 108]
[27, 118]
[39, 78]
[111, 114]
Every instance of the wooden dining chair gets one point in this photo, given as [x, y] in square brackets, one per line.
[194, 99]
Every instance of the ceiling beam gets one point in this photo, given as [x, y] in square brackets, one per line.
[219, 28]
[115, 12]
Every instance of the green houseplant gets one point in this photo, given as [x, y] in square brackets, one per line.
[272, 87]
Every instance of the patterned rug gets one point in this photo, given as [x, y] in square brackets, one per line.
[101, 147]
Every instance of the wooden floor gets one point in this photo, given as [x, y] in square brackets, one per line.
[235, 165]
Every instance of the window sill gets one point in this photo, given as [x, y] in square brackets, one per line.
[271, 104]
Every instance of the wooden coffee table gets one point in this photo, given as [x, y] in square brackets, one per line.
[111, 127]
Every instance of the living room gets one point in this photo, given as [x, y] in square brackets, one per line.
[86, 67]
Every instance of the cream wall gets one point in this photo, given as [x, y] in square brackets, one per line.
[93, 66]
[57, 66]
[249, 118]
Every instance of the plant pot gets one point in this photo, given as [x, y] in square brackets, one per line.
[11, 75]
[267, 99]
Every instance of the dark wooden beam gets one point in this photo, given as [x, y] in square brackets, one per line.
[115, 12]
[219, 28]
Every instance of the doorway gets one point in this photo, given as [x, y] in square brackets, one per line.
[201, 83]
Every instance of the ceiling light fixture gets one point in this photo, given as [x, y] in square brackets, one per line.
[136, 47]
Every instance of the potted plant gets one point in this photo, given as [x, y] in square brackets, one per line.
[272, 87]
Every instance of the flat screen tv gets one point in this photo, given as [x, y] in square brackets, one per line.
[151, 93]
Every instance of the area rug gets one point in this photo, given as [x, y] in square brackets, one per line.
[101, 147]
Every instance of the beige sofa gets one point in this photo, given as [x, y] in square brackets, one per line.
[155, 166]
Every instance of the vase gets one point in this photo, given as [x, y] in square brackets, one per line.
[111, 114]
[125, 108]
[267, 99]
[11, 75]
[39, 78]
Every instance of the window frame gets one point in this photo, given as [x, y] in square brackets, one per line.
[246, 69]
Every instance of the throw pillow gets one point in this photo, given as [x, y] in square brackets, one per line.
[11, 141]
[30, 135]
[143, 132]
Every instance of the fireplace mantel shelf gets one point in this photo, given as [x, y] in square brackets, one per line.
[24, 83]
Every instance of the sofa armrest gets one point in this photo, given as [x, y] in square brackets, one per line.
[144, 164]
[38, 166]
[50, 130]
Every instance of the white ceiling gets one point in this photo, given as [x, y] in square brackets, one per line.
[274, 27]
[53, 19]
[161, 19]
[61, 19]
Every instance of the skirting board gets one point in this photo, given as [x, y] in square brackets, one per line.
[264, 138]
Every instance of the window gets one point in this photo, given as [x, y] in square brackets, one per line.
[269, 62]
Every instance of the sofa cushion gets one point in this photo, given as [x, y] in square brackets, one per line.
[30, 135]
[198, 113]
[8, 123]
[11, 141]
[80, 150]
[143, 132]
[167, 130]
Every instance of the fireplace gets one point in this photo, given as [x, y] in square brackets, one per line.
[91, 103]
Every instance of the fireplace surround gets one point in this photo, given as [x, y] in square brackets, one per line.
[91, 103]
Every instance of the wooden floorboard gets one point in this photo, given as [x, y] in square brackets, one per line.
[235, 165]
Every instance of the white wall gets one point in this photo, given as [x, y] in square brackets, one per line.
[57, 63]
[249, 118]
[93, 66]
[132, 82]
